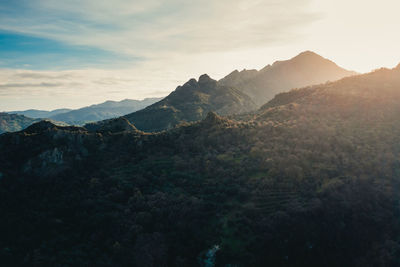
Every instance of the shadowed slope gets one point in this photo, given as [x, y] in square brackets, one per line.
[191, 102]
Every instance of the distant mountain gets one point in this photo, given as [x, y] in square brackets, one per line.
[305, 69]
[14, 122]
[103, 111]
[106, 110]
[191, 102]
[36, 114]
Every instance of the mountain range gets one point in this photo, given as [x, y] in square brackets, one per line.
[106, 110]
[18, 120]
[39, 114]
[239, 92]
[308, 179]
[191, 102]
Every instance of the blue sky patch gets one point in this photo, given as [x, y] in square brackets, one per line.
[28, 52]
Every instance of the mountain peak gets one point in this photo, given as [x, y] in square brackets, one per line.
[41, 126]
[306, 56]
[307, 53]
[204, 82]
[205, 79]
[192, 82]
[117, 125]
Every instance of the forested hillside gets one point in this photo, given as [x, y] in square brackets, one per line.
[310, 179]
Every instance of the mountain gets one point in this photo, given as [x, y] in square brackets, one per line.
[368, 96]
[305, 69]
[239, 92]
[37, 114]
[14, 122]
[117, 125]
[309, 179]
[191, 102]
[103, 111]
[106, 110]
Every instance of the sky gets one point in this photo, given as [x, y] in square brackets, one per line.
[73, 53]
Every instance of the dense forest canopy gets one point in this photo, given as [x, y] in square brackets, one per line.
[310, 179]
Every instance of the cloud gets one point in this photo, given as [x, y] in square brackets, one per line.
[37, 75]
[29, 85]
[154, 28]
[22, 89]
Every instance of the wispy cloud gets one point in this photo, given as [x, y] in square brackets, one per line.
[29, 85]
[20, 89]
[159, 27]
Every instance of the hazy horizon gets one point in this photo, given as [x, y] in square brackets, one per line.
[73, 54]
[84, 106]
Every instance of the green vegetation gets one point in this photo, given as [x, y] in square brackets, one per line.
[310, 179]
